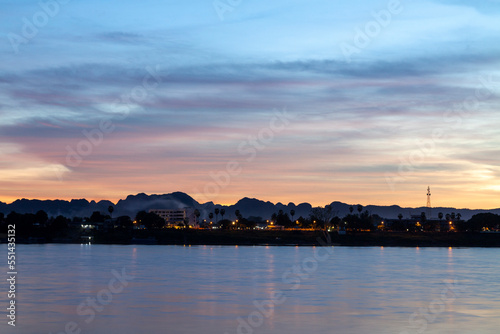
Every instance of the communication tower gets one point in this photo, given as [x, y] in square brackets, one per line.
[428, 203]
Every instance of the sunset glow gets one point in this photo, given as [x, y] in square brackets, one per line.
[262, 101]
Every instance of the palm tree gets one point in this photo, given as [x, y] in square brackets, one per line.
[238, 214]
[351, 209]
[210, 216]
[360, 208]
[447, 217]
[459, 216]
[440, 216]
[292, 213]
[222, 212]
[400, 216]
[453, 216]
[110, 210]
[216, 215]
[197, 215]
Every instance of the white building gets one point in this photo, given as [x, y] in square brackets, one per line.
[175, 216]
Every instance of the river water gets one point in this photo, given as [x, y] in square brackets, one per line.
[230, 289]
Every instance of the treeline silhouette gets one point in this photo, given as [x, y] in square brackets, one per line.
[40, 225]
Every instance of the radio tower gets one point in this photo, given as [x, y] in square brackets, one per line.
[429, 203]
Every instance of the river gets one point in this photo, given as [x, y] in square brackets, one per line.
[231, 289]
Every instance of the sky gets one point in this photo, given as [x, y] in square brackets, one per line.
[313, 101]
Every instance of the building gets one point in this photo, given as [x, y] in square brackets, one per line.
[173, 217]
[416, 223]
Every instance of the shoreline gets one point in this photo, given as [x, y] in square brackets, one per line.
[277, 238]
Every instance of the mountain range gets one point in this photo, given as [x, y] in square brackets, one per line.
[247, 207]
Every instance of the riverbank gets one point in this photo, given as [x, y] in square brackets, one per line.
[276, 238]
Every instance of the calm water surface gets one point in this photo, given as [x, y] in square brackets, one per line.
[207, 289]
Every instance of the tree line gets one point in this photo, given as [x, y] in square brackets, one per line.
[40, 224]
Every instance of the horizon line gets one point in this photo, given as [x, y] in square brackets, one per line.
[115, 202]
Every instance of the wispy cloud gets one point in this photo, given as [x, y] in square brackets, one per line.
[221, 82]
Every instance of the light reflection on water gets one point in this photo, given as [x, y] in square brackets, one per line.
[205, 289]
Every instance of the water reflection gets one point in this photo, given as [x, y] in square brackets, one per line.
[213, 289]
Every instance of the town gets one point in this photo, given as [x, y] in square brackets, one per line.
[188, 226]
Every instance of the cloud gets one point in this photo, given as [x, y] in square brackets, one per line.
[221, 82]
[489, 157]
[121, 37]
[485, 7]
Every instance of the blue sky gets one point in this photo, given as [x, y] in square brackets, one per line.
[184, 88]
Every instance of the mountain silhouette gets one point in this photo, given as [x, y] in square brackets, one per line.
[178, 200]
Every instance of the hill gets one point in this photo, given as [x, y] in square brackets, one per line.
[247, 206]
